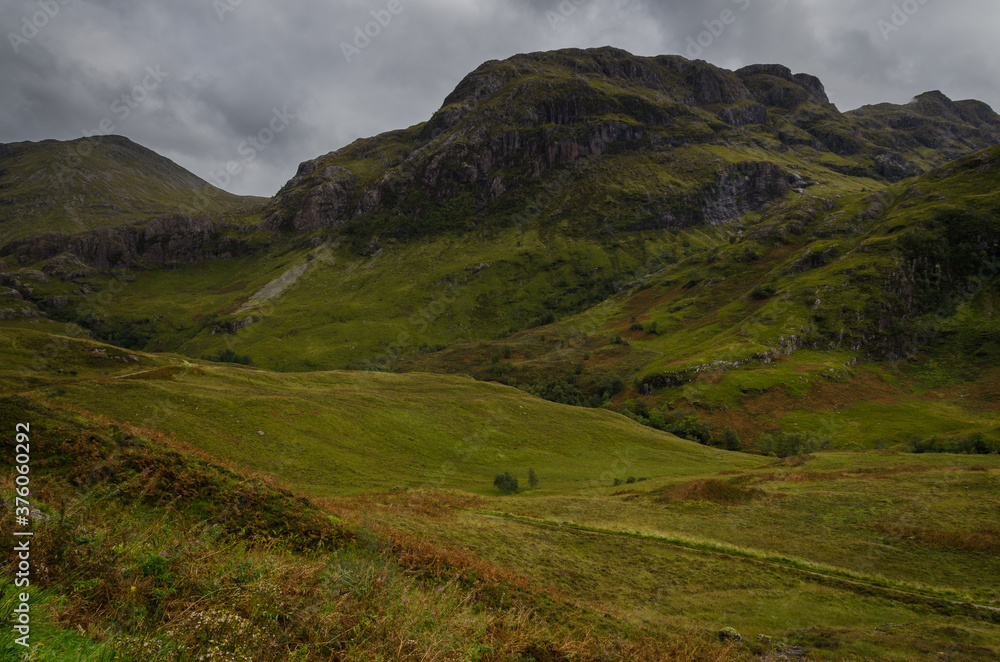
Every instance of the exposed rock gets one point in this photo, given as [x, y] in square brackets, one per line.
[326, 205]
[234, 326]
[23, 311]
[32, 275]
[166, 239]
[67, 266]
[744, 114]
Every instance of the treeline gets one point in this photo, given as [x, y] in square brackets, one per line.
[973, 444]
[682, 423]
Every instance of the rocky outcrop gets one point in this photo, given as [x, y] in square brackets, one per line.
[325, 205]
[508, 124]
[163, 240]
[775, 85]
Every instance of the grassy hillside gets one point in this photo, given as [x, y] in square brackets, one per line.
[145, 551]
[79, 185]
[590, 271]
[633, 545]
[866, 319]
[342, 432]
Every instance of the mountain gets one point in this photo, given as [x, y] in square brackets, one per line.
[78, 185]
[652, 234]
[762, 333]
[634, 143]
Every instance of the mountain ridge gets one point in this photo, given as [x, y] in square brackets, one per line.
[508, 122]
[616, 237]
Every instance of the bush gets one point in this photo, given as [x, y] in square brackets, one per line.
[542, 320]
[731, 440]
[787, 444]
[762, 292]
[506, 483]
[973, 444]
[229, 356]
[532, 478]
[692, 429]
[610, 387]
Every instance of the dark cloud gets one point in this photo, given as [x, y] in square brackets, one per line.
[230, 64]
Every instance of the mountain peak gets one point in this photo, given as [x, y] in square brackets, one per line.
[102, 181]
[509, 122]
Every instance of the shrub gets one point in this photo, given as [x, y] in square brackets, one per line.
[506, 483]
[762, 292]
[692, 429]
[542, 320]
[532, 478]
[229, 356]
[973, 444]
[731, 440]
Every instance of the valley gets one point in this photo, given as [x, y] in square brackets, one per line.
[739, 350]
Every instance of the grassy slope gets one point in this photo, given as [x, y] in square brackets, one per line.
[917, 524]
[145, 551]
[79, 185]
[351, 432]
[346, 309]
[823, 380]
[346, 433]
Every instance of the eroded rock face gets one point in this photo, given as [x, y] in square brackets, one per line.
[510, 123]
[174, 238]
[326, 205]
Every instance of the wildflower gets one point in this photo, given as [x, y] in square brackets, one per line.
[132, 588]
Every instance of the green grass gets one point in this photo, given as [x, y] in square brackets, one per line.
[159, 555]
[655, 580]
[339, 432]
[84, 184]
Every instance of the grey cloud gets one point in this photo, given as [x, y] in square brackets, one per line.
[228, 74]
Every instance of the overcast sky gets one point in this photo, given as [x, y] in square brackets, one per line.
[199, 77]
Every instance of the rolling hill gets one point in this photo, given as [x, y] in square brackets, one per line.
[73, 186]
[746, 343]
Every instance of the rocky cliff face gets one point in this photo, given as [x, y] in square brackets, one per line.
[161, 241]
[509, 123]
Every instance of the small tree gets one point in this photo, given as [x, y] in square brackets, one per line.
[506, 483]
[532, 478]
[766, 444]
[731, 440]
